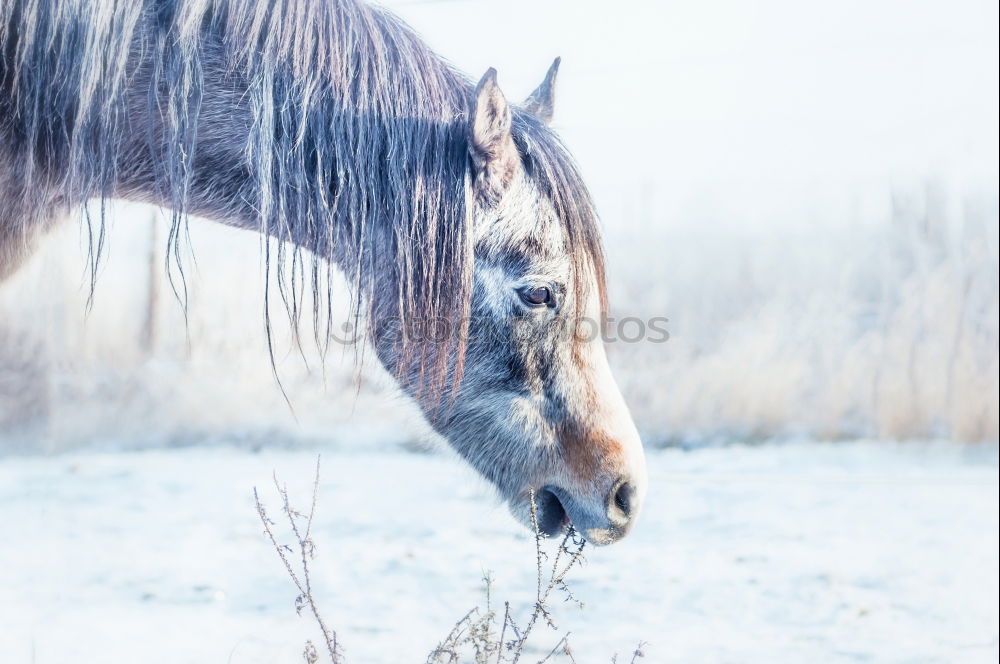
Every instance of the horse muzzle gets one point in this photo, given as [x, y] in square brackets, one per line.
[601, 521]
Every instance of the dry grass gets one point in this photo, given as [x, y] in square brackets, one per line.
[305, 549]
[482, 635]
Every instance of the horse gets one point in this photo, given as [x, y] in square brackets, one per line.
[331, 129]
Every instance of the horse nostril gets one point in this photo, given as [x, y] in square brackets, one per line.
[551, 514]
[624, 498]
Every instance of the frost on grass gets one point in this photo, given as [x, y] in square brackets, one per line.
[482, 635]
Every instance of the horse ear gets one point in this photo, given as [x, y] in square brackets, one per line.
[540, 102]
[491, 143]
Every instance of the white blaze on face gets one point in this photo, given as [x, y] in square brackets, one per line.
[612, 416]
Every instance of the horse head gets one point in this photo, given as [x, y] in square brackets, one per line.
[536, 410]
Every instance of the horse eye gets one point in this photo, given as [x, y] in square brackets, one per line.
[536, 296]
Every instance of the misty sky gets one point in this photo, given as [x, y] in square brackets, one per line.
[765, 110]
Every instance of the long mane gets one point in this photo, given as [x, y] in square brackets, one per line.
[353, 139]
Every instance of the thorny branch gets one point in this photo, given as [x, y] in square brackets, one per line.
[571, 548]
[476, 629]
[306, 551]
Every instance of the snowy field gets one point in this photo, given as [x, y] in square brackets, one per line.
[869, 552]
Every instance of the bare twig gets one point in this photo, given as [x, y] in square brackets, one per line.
[473, 637]
[503, 630]
[556, 577]
[564, 644]
[306, 551]
[450, 644]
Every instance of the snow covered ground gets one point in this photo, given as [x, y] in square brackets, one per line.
[787, 553]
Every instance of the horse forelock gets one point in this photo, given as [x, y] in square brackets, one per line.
[557, 177]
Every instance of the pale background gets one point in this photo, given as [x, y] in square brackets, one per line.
[808, 191]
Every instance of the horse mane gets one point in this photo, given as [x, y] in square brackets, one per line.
[357, 145]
